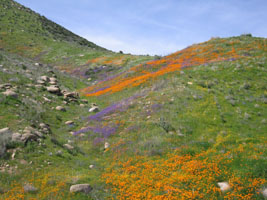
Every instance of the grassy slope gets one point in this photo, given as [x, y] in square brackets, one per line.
[176, 133]
[29, 34]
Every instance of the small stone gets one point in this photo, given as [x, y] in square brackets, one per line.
[60, 108]
[53, 89]
[23, 162]
[16, 137]
[84, 101]
[247, 116]
[91, 166]
[10, 93]
[5, 131]
[69, 122]
[224, 186]
[47, 100]
[41, 82]
[189, 83]
[53, 79]
[84, 188]
[82, 105]
[29, 188]
[59, 153]
[68, 146]
[52, 83]
[94, 109]
[106, 145]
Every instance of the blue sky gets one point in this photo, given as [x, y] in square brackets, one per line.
[154, 26]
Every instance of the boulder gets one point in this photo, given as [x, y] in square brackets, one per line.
[84, 188]
[224, 186]
[10, 93]
[53, 89]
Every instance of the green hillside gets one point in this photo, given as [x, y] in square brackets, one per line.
[190, 125]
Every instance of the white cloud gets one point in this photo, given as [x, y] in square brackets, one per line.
[134, 46]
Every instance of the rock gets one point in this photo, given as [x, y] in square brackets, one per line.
[16, 137]
[29, 188]
[59, 153]
[82, 105]
[84, 101]
[41, 82]
[6, 86]
[43, 125]
[74, 95]
[84, 188]
[52, 83]
[39, 86]
[69, 122]
[10, 93]
[23, 162]
[107, 145]
[53, 79]
[53, 89]
[47, 100]
[91, 166]
[264, 192]
[60, 108]
[28, 136]
[189, 83]
[94, 109]
[5, 131]
[224, 186]
[247, 116]
[68, 146]
[44, 78]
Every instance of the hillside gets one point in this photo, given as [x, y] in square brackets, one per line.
[31, 35]
[190, 125]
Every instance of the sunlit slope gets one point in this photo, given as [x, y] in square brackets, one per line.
[213, 51]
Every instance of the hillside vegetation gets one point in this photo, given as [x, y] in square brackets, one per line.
[190, 125]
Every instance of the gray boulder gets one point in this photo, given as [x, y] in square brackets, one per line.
[84, 188]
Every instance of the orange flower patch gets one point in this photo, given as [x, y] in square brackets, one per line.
[177, 177]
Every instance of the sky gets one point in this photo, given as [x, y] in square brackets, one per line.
[154, 27]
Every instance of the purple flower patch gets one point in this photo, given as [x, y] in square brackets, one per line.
[104, 131]
[120, 106]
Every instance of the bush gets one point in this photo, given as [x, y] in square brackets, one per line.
[4, 138]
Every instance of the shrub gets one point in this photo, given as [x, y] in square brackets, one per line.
[4, 138]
